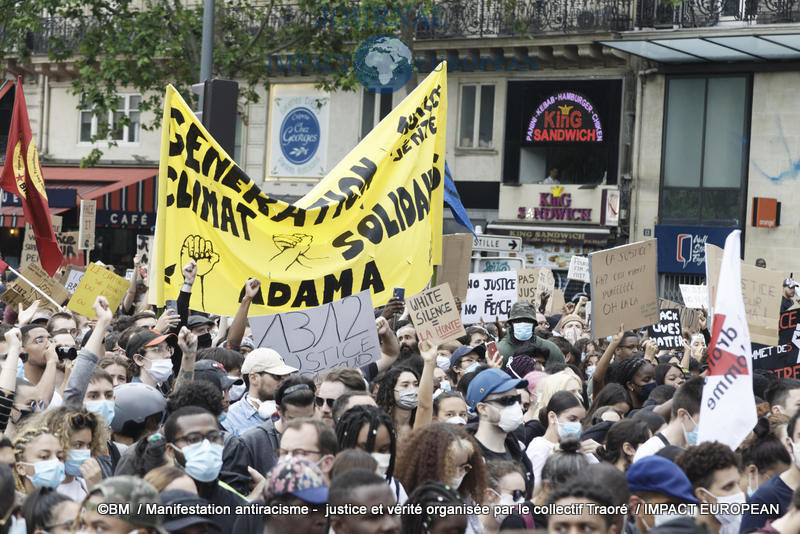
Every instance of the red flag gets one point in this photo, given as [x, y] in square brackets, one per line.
[22, 176]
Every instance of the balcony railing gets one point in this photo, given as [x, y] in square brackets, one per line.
[465, 19]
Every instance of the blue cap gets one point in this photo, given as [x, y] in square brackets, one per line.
[659, 475]
[460, 352]
[491, 381]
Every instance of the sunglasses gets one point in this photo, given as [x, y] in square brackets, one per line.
[319, 401]
[507, 400]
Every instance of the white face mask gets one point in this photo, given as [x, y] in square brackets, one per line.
[266, 409]
[160, 370]
[731, 521]
[511, 417]
[236, 392]
[456, 420]
[455, 482]
[383, 459]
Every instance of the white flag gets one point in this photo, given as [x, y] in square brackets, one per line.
[728, 409]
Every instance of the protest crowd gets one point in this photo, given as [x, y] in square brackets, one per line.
[521, 425]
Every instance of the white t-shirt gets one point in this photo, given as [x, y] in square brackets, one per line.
[649, 448]
[75, 490]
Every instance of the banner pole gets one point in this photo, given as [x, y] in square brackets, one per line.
[45, 295]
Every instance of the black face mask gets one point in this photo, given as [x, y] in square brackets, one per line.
[204, 340]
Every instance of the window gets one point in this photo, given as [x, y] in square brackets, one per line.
[373, 110]
[705, 149]
[127, 106]
[476, 117]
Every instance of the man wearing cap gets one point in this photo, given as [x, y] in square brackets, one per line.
[295, 399]
[214, 372]
[152, 355]
[201, 326]
[133, 495]
[463, 358]
[656, 480]
[297, 482]
[493, 395]
[262, 371]
[570, 327]
[521, 321]
[788, 294]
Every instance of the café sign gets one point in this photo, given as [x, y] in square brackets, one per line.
[555, 206]
[565, 117]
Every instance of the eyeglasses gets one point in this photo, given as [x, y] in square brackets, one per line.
[295, 452]
[507, 400]
[41, 340]
[193, 438]
[80, 420]
[319, 401]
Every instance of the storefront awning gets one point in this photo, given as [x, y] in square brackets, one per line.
[557, 235]
[755, 48]
[115, 189]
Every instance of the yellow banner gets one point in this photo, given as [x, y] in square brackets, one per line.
[374, 222]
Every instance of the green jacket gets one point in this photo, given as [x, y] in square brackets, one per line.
[509, 347]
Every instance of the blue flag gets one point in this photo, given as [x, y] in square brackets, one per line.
[452, 199]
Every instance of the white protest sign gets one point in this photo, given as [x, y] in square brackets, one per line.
[489, 296]
[694, 296]
[339, 334]
[86, 224]
[579, 268]
[73, 279]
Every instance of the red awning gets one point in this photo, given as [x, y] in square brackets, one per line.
[119, 189]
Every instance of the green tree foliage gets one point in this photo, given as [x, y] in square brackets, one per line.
[143, 45]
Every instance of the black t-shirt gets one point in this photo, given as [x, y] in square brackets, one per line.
[492, 455]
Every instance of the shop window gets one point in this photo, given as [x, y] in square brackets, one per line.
[127, 106]
[476, 119]
[704, 154]
[373, 110]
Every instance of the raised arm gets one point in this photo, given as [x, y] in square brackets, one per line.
[425, 396]
[188, 345]
[239, 324]
[88, 356]
[390, 348]
[8, 376]
[599, 376]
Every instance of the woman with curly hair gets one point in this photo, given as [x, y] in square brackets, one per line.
[39, 458]
[429, 495]
[82, 435]
[398, 395]
[444, 453]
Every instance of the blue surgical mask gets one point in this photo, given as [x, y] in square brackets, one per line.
[472, 367]
[691, 437]
[47, 473]
[750, 489]
[444, 385]
[590, 370]
[221, 417]
[75, 459]
[523, 331]
[18, 525]
[104, 408]
[570, 428]
[203, 460]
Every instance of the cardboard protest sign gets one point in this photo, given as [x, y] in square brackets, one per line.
[86, 224]
[761, 291]
[531, 283]
[72, 277]
[339, 334]
[68, 243]
[556, 303]
[30, 253]
[489, 295]
[694, 296]
[667, 331]
[624, 287]
[20, 292]
[578, 268]
[97, 281]
[455, 267]
[144, 244]
[435, 316]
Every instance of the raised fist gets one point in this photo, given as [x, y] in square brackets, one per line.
[201, 251]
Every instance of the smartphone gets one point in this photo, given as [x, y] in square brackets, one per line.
[171, 305]
[399, 293]
[491, 350]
